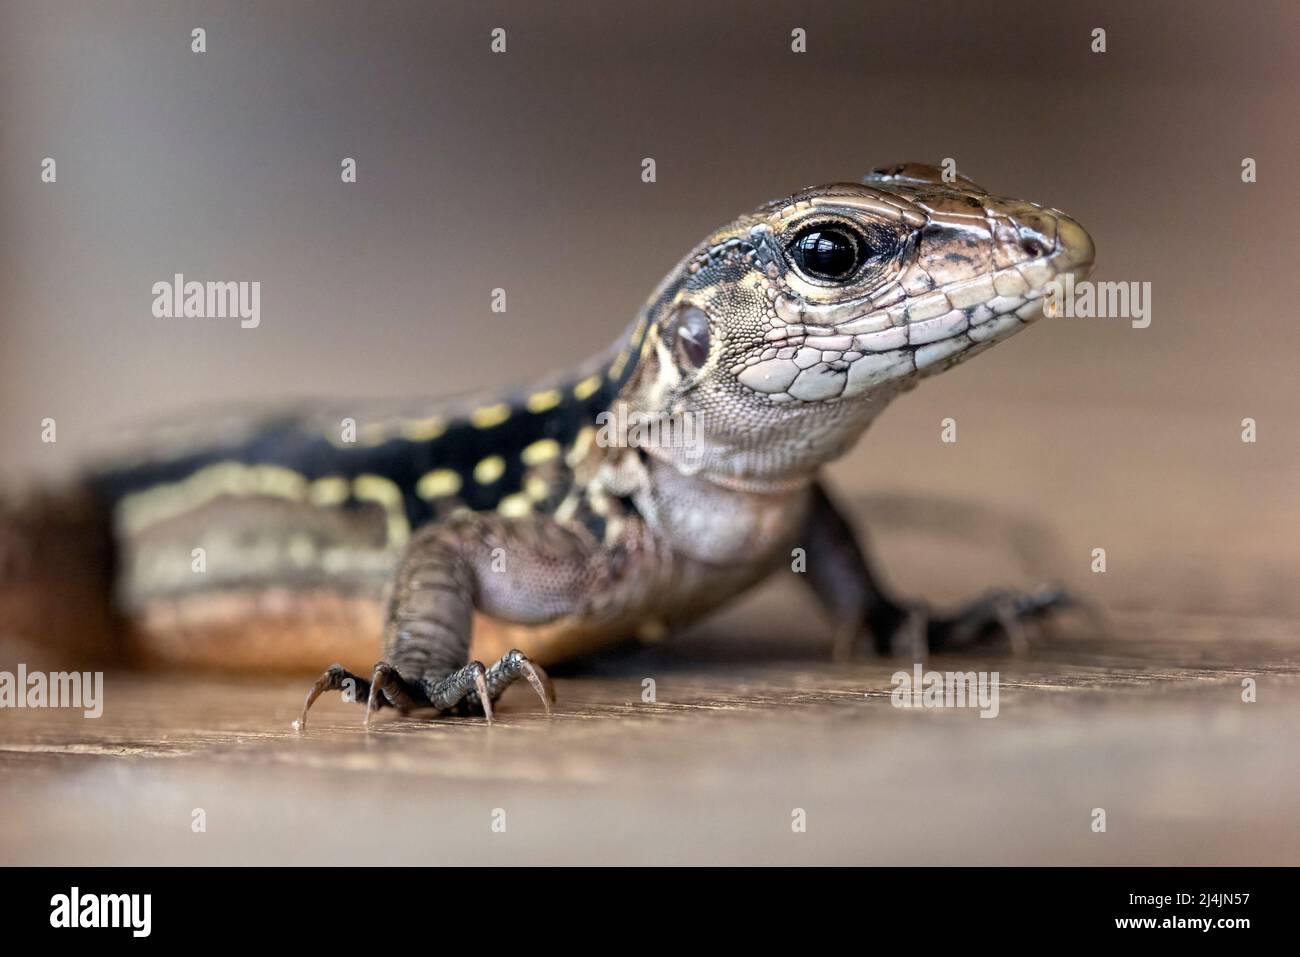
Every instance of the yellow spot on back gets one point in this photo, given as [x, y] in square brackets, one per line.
[423, 430]
[542, 401]
[489, 415]
[384, 492]
[613, 529]
[536, 487]
[581, 444]
[616, 369]
[489, 470]
[278, 481]
[639, 331]
[543, 450]
[568, 508]
[649, 342]
[437, 484]
[374, 433]
[586, 388]
[332, 490]
[513, 506]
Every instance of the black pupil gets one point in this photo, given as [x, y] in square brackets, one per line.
[826, 253]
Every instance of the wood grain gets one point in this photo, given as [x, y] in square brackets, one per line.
[1147, 722]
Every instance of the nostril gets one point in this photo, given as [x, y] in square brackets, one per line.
[1033, 247]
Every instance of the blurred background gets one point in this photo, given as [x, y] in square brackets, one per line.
[522, 171]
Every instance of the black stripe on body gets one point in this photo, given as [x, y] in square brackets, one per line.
[293, 444]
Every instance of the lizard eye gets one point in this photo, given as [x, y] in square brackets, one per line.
[830, 252]
[687, 335]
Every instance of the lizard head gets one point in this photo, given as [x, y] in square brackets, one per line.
[786, 332]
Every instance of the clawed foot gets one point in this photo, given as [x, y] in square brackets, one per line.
[912, 629]
[468, 690]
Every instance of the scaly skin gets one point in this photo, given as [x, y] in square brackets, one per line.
[524, 522]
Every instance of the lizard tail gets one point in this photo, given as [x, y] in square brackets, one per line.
[56, 557]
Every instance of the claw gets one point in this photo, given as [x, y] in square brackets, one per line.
[333, 678]
[372, 701]
[1010, 616]
[480, 685]
[541, 683]
[317, 689]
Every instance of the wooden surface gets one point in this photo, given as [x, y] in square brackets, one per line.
[1146, 722]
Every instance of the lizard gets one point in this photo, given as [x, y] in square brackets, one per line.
[634, 495]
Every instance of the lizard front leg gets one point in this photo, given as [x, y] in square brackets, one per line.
[840, 574]
[528, 570]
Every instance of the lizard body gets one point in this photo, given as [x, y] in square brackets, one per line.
[543, 520]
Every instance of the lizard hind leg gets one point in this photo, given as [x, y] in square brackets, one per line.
[911, 628]
[842, 576]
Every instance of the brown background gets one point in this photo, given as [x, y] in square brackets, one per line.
[522, 171]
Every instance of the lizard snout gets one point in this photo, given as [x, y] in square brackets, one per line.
[1075, 251]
